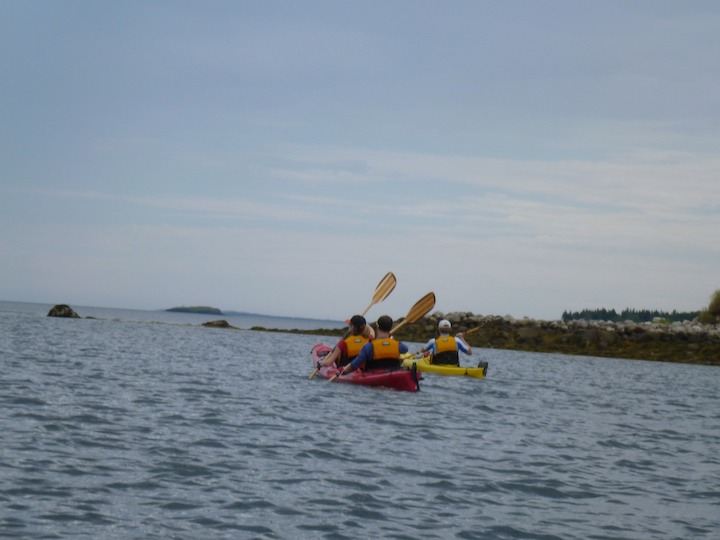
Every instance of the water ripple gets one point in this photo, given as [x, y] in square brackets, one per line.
[126, 430]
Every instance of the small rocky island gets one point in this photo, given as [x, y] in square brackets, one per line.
[220, 324]
[63, 310]
[202, 310]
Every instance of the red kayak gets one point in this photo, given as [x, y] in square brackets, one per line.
[398, 379]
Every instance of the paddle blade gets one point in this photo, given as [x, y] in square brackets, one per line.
[421, 308]
[385, 287]
[382, 291]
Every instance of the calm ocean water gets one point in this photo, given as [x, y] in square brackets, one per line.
[127, 426]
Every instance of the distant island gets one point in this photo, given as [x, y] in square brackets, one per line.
[204, 310]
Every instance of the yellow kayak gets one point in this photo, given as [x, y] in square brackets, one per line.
[425, 366]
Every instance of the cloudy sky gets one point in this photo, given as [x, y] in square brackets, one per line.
[515, 157]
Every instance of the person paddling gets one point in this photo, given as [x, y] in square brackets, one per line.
[349, 347]
[445, 349]
[383, 352]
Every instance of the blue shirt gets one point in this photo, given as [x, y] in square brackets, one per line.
[367, 353]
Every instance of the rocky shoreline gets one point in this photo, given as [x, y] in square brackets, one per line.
[687, 342]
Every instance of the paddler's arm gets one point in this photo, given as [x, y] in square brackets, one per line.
[468, 348]
[330, 358]
[365, 355]
[425, 347]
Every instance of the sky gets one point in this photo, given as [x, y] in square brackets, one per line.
[516, 157]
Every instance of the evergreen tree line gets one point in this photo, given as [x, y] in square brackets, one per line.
[635, 315]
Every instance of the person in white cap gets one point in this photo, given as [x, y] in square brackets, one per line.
[445, 348]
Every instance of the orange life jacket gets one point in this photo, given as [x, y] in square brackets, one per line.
[386, 354]
[354, 344]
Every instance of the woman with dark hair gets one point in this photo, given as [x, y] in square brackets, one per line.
[349, 346]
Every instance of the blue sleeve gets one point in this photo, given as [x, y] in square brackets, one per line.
[403, 348]
[430, 345]
[366, 353]
[461, 346]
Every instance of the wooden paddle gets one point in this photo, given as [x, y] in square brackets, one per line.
[473, 330]
[382, 291]
[421, 308]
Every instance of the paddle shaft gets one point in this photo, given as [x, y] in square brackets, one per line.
[473, 330]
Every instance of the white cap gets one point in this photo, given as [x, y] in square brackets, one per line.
[444, 324]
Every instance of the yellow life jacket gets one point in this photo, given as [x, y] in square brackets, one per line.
[445, 343]
[446, 351]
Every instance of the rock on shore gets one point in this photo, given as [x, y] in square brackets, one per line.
[63, 310]
[219, 324]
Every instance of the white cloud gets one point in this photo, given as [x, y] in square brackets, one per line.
[526, 162]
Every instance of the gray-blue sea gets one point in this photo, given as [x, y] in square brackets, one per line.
[147, 425]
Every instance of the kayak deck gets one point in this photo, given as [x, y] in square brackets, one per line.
[405, 379]
[425, 366]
